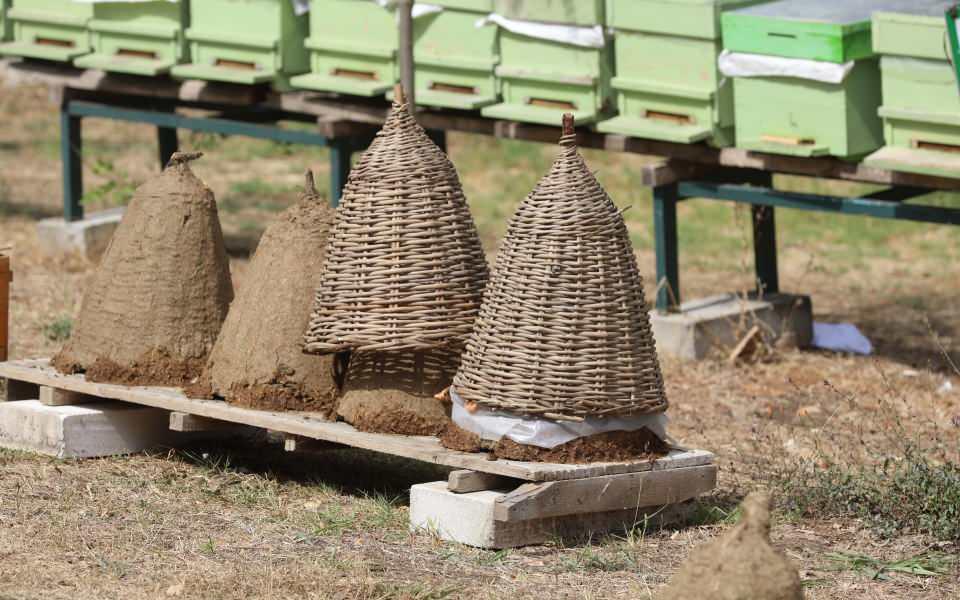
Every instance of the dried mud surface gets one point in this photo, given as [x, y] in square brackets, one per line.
[613, 446]
[258, 361]
[155, 304]
[394, 392]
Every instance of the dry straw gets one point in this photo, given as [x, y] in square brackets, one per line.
[404, 266]
[564, 331]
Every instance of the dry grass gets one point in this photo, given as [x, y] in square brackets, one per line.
[244, 521]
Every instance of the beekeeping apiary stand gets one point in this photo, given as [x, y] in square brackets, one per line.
[489, 503]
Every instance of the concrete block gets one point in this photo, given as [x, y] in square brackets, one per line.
[85, 431]
[89, 236]
[717, 323]
[469, 519]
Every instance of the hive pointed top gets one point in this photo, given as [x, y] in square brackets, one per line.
[563, 332]
[405, 269]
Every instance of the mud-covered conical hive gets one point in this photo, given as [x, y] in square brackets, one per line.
[564, 331]
[741, 565]
[258, 360]
[405, 269]
[396, 392]
[156, 302]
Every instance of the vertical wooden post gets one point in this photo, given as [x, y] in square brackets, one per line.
[6, 276]
[405, 22]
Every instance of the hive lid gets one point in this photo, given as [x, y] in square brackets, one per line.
[686, 18]
[404, 266]
[564, 331]
[918, 31]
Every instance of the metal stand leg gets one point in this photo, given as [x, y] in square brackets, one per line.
[439, 137]
[341, 152]
[71, 149]
[167, 141]
[665, 200]
[765, 249]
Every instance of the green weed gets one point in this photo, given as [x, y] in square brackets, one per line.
[59, 330]
[928, 564]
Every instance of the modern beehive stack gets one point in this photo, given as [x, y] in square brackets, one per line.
[402, 282]
[563, 333]
[47, 29]
[158, 298]
[257, 361]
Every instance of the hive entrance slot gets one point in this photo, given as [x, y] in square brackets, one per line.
[236, 64]
[791, 141]
[453, 89]
[52, 42]
[677, 118]
[557, 104]
[129, 53]
[368, 75]
[789, 36]
[936, 147]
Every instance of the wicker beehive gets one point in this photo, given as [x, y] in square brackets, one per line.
[563, 332]
[404, 266]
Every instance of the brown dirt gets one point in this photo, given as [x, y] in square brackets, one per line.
[613, 446]
[258, 361]
[156, 302]
[741, 565]
[394, 392]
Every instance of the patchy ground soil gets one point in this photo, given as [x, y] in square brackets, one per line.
[248, 521]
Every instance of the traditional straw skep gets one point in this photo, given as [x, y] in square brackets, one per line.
[564, 332]
[404, 266]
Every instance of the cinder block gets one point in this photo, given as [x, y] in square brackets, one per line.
[469, 519]
[719, 322]
[87, 431]
[89, 236]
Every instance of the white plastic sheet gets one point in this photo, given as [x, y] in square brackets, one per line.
[418, 10]
[587, 37]
[492, 426]
[841, 337]
[742, 64]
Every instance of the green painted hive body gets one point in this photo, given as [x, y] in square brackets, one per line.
[542, 79]
[921, 104]
[4, 23]
[47, 29]
[455, 59]
[143, 38]
[792, 115]
[667, 83]
[353, 48]
[245, 41]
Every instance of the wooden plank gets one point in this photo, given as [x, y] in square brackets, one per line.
[50, 396]
[5, 278]
[296, 443]
[185, 422]
[607, 493]
[462, 482]
[425, 448]
[21, 390]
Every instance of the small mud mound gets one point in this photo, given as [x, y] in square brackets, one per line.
[161, 292]
[394, 392]
[613, 446]
[741, 565]
[258, 360]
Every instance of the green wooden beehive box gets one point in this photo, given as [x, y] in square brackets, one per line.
[540, 79]
[142, 38]
[455, 59]
[570, 12]
[921, 104]
[667, 83]
[4, 24]
[353, 48]
[795, 114]
[47, 29]
[245, 41]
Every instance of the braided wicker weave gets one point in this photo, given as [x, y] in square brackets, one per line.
[404, 266]
[564, 331]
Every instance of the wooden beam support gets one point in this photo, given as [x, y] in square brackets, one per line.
[21, 390]
[298, 443]
[6, 277]
[50, 396]
[463, 482]
[185, 422]
[608, 493]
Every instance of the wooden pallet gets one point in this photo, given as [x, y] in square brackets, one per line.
[518, 502]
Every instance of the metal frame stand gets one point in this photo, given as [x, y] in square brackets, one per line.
[253, 122]
[890, 203]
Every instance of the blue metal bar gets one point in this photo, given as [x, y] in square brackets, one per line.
[341, 151]
[439, 137]
[167, 143]
[881, 209]
[71, 143]
[665, 200]
[206, 124]
[765, 249]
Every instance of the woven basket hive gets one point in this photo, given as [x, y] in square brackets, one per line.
[405, 269]
[564, 331]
